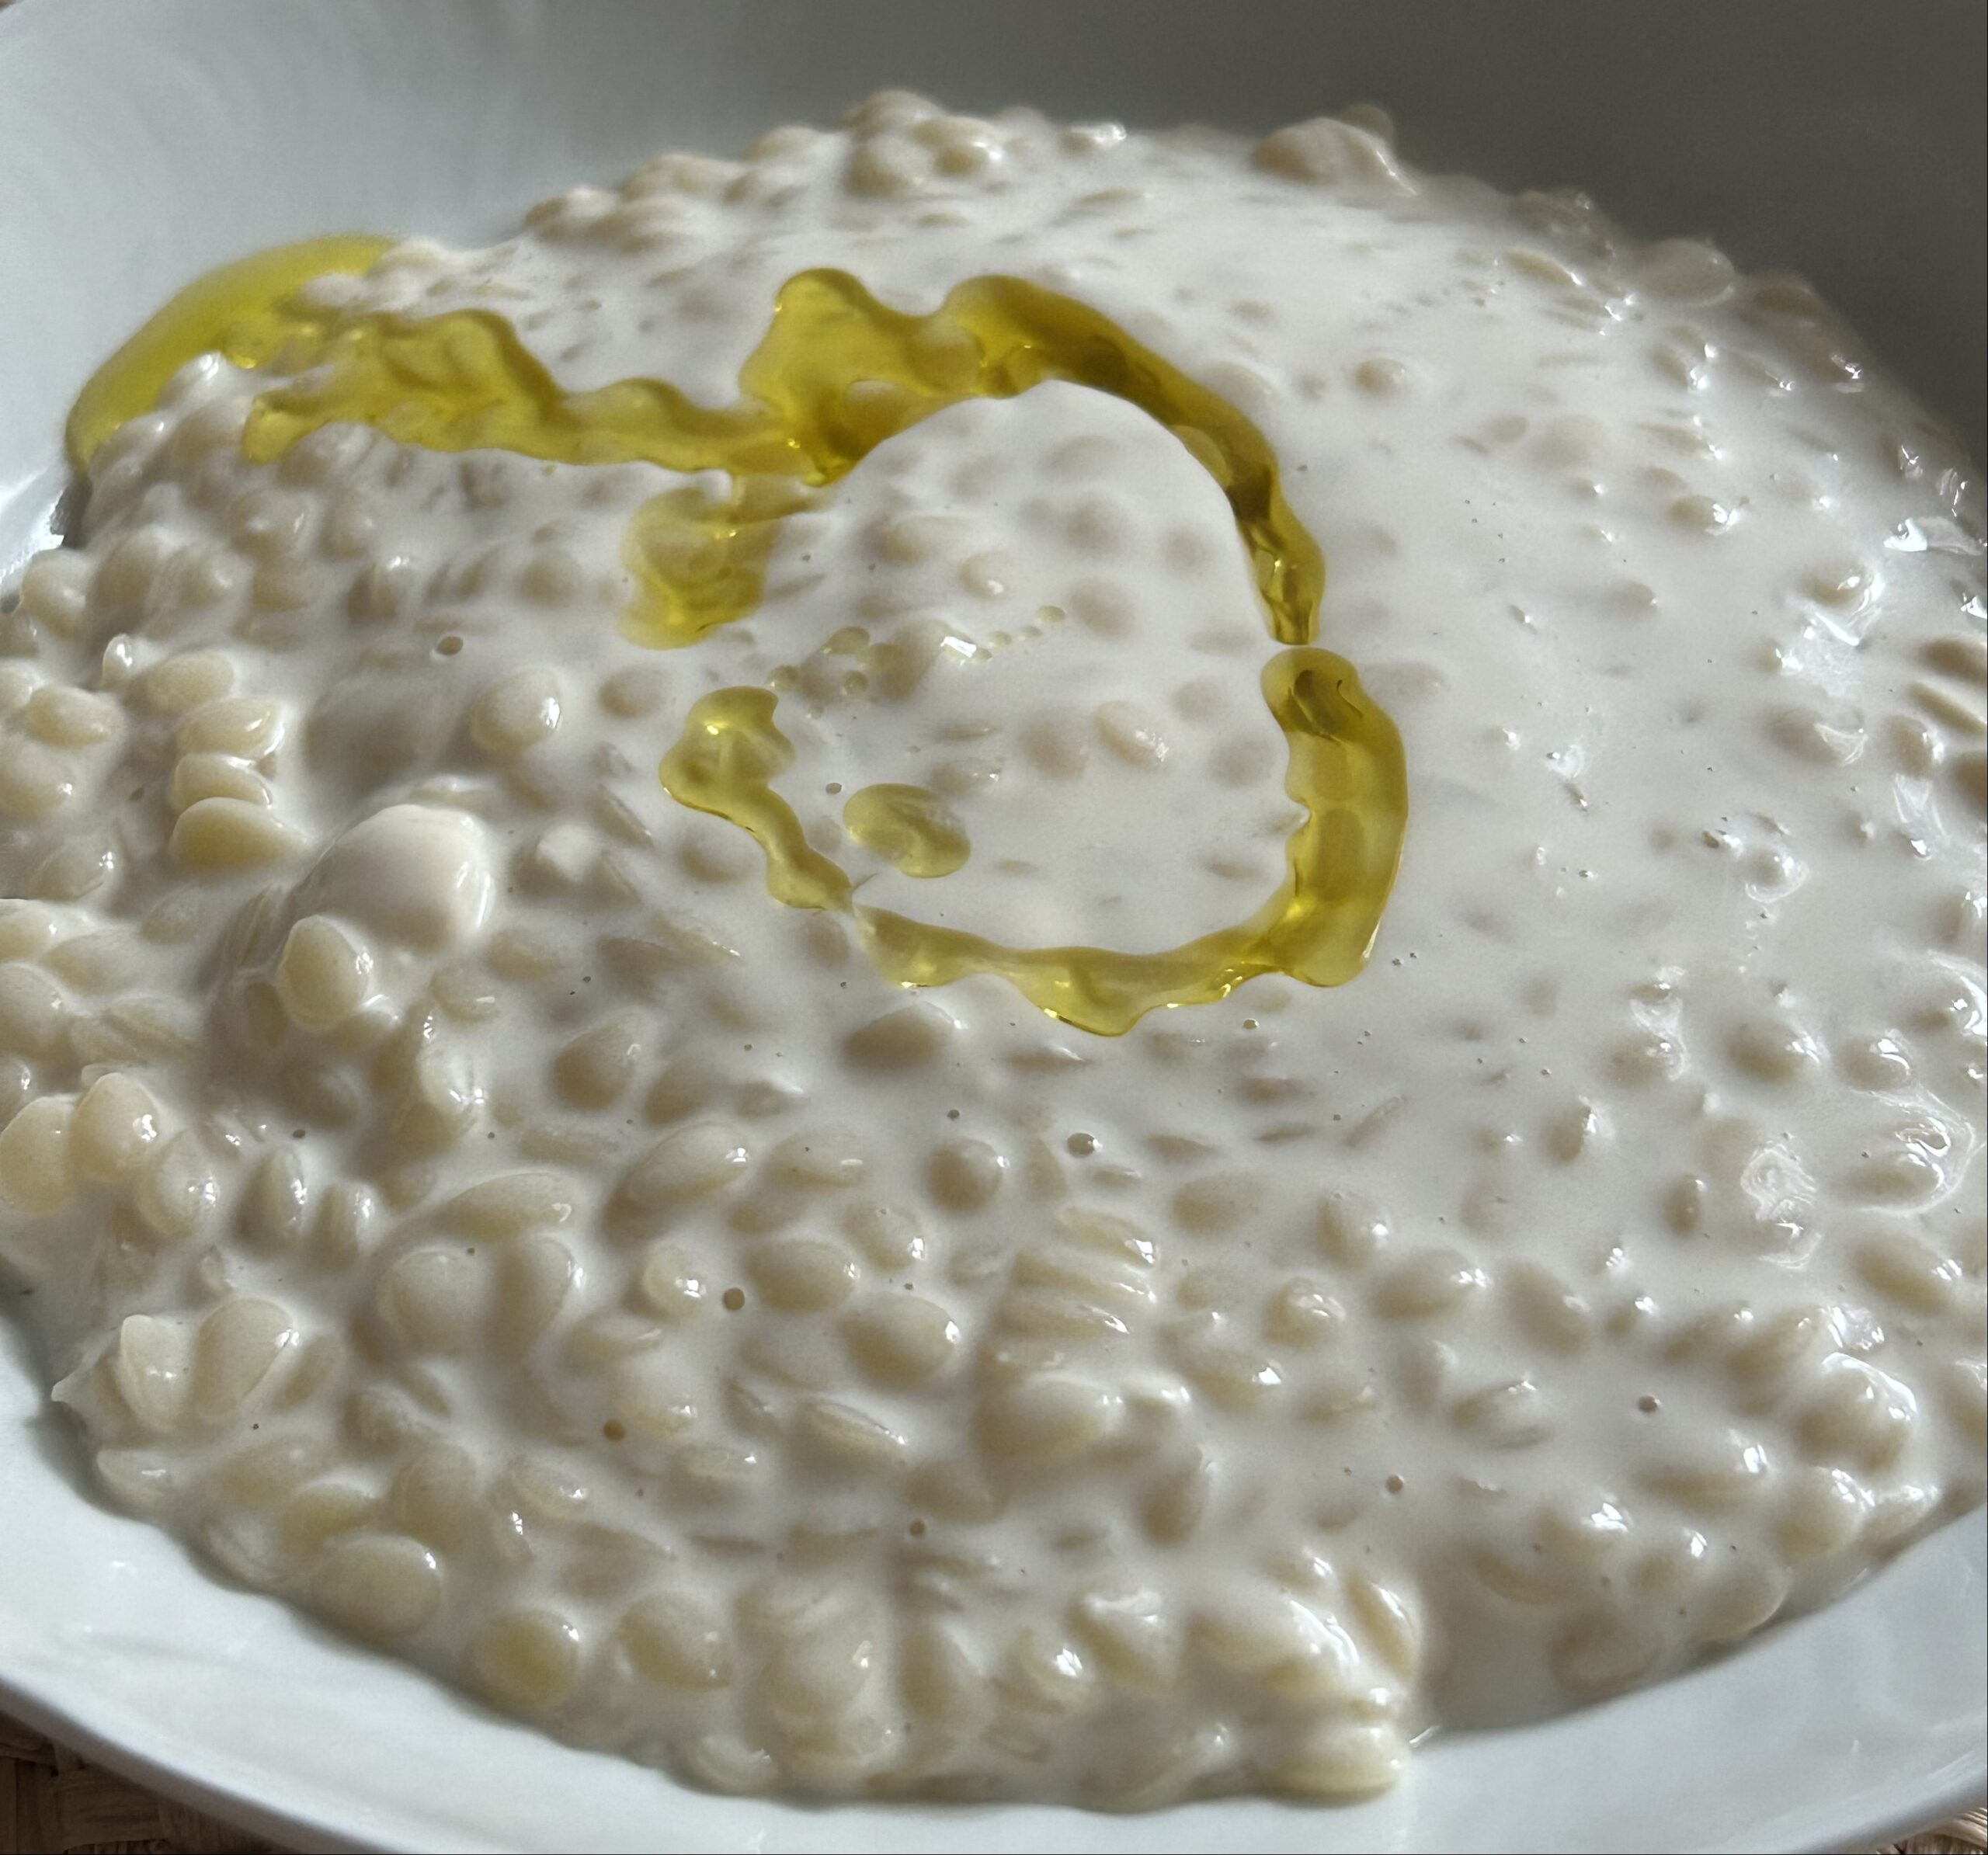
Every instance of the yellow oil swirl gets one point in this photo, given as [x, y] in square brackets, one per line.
[725, 763]
[245, 311]
[912, 829]
[837, 373]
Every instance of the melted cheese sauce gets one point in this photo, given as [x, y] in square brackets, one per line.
[643, 1051]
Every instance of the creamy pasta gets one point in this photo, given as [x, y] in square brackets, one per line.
[708, 1017]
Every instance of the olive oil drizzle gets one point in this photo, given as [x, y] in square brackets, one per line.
[837, 373]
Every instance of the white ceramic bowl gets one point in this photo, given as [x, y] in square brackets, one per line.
[140, 146]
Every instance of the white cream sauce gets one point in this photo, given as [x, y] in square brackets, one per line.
[457, 1195]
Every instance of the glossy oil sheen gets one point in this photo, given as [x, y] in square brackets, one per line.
[837, 373]
[242, 311]
[913, 829]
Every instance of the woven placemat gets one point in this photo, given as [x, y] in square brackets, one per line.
[53, 1803]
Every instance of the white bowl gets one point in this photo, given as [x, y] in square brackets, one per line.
[140, 146]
